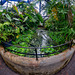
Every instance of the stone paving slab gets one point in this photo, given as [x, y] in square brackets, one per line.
[68, 70]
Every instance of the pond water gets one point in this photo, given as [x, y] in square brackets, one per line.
[41, 39]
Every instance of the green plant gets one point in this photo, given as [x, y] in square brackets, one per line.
[18, 19]
[7, 31]
[60, 21]
[48, 50]
[57, 17]
[24, 16]
[22, 40]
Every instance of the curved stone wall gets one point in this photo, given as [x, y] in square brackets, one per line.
[44, 66]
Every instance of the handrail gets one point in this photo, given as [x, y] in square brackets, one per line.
[38, 47]
[36, 54]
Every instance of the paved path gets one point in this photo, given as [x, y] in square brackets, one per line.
[68, 70]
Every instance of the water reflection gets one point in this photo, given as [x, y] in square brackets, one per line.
[41, 39]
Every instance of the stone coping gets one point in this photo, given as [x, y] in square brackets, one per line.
[44, 66]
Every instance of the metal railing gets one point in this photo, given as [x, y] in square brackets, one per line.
[35, 48]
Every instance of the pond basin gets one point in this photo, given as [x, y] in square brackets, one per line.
[30, 66]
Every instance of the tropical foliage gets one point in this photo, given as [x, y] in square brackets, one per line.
[18, 19]
[21, 21]
[60, 21]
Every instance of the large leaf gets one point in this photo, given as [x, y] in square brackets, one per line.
[21, 16]
[28, 15]
[17, 30]
[0, 13]
[16, 19]
[1, 24]
[25, 19]
[21, 20]
[33, 20]
[15, 8]
[6, 23]
[8, 17]
[40, 17]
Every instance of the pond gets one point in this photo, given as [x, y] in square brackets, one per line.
[41, 39]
